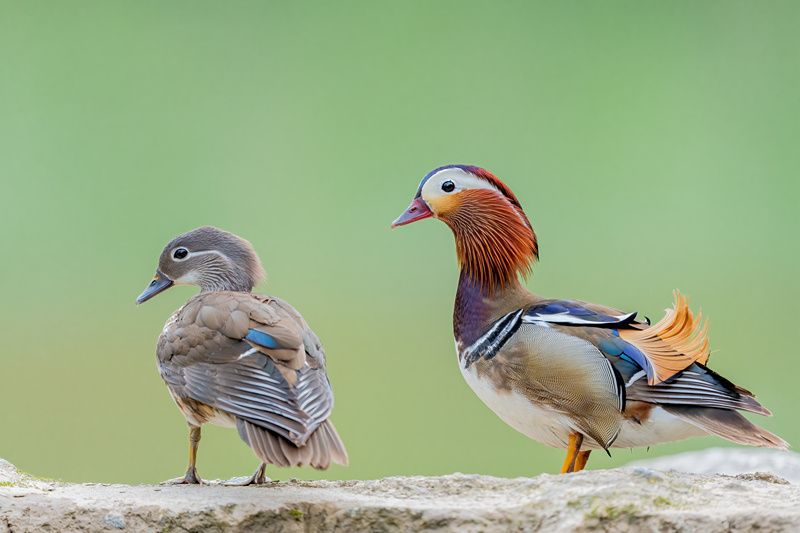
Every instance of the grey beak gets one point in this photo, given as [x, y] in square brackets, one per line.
[159, 284]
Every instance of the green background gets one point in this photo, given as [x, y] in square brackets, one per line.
[653, 144]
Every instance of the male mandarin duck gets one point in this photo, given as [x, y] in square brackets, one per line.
[567, 373]
[242, 360]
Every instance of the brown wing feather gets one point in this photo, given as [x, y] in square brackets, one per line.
[674, 343]
[271, 316]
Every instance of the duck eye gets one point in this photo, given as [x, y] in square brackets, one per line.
[448, 186]
[180, 253]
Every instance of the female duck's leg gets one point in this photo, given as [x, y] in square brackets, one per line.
[258, 478]
[194, 443]
[191, 473]
[574, 446]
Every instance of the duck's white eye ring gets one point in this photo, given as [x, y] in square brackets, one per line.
[180, 254]
[448, 186]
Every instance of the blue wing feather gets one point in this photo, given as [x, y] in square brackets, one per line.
[614, 347]
[261, 338]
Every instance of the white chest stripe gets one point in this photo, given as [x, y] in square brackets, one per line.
[490, 342]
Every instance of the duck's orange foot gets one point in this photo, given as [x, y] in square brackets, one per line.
[573, 451]
[581, 460]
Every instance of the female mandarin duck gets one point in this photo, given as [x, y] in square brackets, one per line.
[567, 373]
[238, 359]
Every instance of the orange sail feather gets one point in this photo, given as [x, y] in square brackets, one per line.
[674, 343]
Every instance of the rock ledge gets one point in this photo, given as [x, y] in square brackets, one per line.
[626, 499]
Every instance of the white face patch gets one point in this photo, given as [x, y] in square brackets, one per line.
[195, 254]
[192, 277]
[461, 179]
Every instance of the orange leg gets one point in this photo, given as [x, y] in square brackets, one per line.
[580, 461]
[573, 448]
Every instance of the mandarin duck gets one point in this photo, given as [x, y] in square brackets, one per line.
[568, 373]
[238, 359]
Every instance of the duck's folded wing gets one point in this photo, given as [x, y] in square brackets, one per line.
[705, 399]
[230, 364]
[696, 386]
[255, 390]
[661, 350]
[569, 375]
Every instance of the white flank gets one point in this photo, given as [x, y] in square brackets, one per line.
[659, 427]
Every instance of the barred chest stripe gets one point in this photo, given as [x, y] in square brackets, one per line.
[493, 340]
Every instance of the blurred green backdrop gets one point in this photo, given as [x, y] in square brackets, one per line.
[653, 144]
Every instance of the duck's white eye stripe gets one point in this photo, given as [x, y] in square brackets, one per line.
[182, 257]
[461, 180]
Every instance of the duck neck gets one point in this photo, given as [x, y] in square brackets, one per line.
[233, 280]
[477, 306]
[496, 246]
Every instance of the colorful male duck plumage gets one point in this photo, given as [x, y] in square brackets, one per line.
[567, 373]
[242, 360]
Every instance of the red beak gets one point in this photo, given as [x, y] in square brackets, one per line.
[416, 211]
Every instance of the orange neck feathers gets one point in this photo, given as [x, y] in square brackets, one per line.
[495, 242]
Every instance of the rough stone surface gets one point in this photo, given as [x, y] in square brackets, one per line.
[626, 499]
[730, 461]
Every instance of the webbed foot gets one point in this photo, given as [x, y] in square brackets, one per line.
[191, 478]
[258, 478]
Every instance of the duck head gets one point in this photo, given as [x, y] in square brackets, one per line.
[211, 258]
[495, 242]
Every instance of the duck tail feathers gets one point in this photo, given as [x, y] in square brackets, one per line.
[727, 424]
